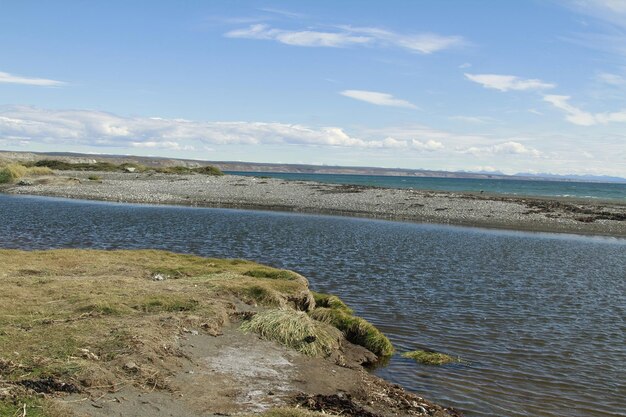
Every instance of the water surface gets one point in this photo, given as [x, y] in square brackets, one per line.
[516, 187]
[539, 318]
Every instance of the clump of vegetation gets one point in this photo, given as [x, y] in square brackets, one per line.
[296, 330]
[430, 358]
[357, 330]
[330, 301]
[125, 167]
[13, 172]
[94, 177]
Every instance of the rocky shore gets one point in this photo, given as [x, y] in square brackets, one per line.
[464, 209]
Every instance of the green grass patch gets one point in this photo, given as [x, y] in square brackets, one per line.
[330, 301]
[271, 274]
[430, 358]
[296, 330]
[357, 330]
[162, 303]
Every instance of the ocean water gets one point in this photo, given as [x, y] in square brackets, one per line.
[539, 319]
[594, 190]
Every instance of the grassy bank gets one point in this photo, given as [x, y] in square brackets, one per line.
[74, 320]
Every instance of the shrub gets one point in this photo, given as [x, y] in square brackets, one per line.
[94, 177]
[208, 170]
[296, 330]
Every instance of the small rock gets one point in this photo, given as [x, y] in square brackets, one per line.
[159, 277]
[130, 169]
[131, 367]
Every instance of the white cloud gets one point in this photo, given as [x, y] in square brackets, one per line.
[7, 78]
[429, 145]
[100, 129]
[424, 43]
[508, 82]
[611, 79]
[582, 118]
[506, 148]
[477, 120]
[298, 38]
[380, 99]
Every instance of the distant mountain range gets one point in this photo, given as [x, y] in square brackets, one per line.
[573, 177]
[299, 168]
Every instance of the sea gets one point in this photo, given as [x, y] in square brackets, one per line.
[537, 319]
[512, 187]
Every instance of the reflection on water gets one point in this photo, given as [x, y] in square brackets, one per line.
[540, 319]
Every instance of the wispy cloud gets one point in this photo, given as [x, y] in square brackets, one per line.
[298, 38]
[508, 82]
[7, 78]
[477, 120]
[611, 79]
[424, 43]
[282, 12]
[380, 99]
[580, 117]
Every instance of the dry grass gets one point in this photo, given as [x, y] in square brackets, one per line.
[296, 330]
[81, 316]
[12, 172]
[430, 358]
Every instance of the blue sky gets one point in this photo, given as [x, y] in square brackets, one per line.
[514, 86]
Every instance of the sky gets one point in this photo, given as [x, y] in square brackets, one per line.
[535, 86]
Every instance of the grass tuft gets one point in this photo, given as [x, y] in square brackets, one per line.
[296, 330]
[357, 330]
[430, 358]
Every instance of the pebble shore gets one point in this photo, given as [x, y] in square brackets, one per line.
[229, 191]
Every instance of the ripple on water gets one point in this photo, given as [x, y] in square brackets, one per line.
[538, 319]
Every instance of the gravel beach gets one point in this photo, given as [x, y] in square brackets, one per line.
[229, 191]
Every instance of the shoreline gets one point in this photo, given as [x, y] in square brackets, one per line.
[169, 338]
[531, 214]
[536, 214]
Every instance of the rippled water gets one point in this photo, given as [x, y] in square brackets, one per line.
[597, 190]
[539, 318]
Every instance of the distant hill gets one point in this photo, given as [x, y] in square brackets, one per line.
[573, 177]
[295, 168]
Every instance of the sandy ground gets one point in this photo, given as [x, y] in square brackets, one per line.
[514, 213]
[238, 373]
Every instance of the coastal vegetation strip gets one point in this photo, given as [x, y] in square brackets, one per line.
[80, 320]
[10, 172]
